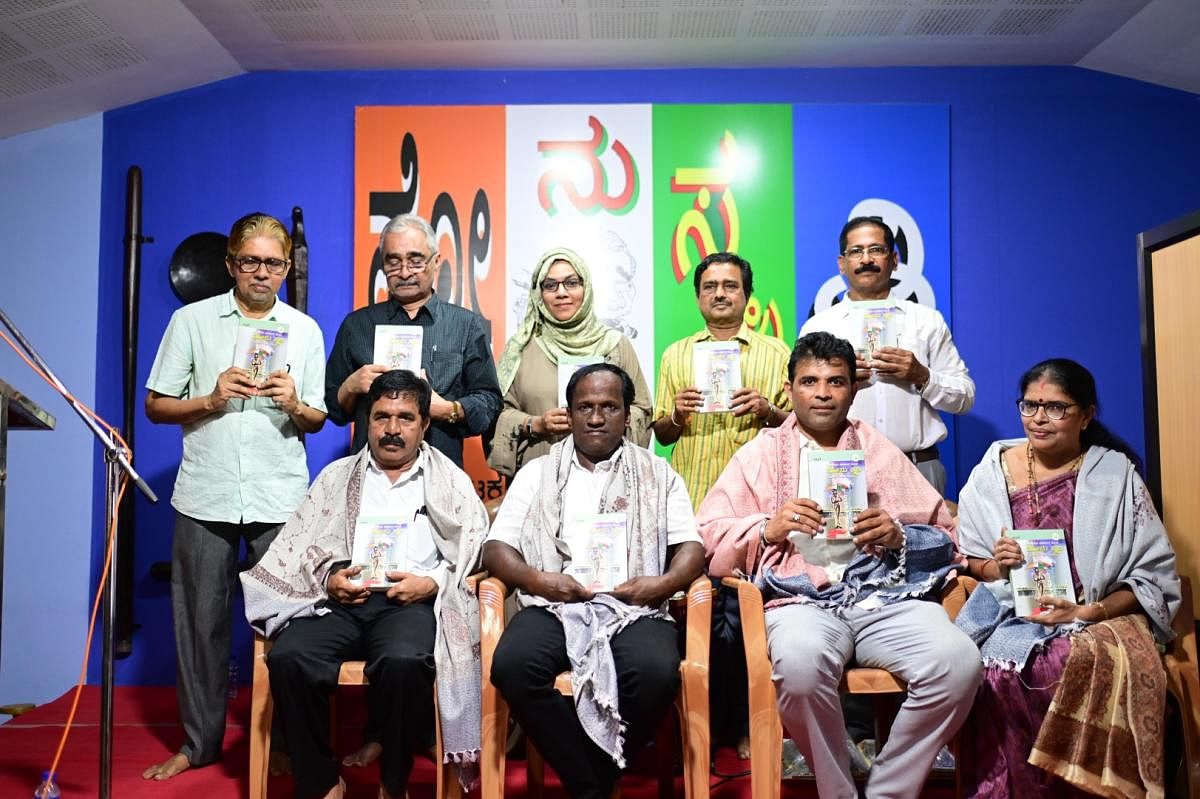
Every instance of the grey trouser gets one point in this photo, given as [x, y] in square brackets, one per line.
[204, 576]
[913, 639]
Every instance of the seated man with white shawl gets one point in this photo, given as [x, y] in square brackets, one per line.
[876, 604]
[303, 593]
[620, 645]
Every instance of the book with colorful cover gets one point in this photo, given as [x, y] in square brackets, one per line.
[1045, 572]
[880, 326]
[837, 482]
[717, 367]
[598, 548]
[399, 347]
[261, 347]
[380, 546]
[568, 365]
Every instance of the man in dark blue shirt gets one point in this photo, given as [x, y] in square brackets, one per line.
[455, 356]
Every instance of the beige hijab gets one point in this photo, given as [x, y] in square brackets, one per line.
[582, 334]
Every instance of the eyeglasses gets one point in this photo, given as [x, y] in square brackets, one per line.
[416, 262]
[549, 285]
[730, 287]
[874, 251]
[249, 264]
[1055, 411]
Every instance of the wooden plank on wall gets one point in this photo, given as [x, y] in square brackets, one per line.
[1176, 303]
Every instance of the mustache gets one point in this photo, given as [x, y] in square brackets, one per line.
[868, 267]
[390, 440]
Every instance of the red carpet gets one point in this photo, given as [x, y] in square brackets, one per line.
[146, 731]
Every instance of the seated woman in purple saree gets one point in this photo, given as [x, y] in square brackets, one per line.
[1058, 713]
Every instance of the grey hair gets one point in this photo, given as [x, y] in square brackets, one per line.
[410, 222]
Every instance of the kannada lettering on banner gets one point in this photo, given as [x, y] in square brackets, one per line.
[723, 183]
[445, 164]
[574, 175]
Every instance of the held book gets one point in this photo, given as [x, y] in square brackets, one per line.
[568, 365]
[1045, 572]
[598, 549]
[380, 546]
[880, 326]
[261, 347]
[717, 367]
[837, 482]
[399, 347]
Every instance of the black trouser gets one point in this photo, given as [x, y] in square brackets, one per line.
[204, 577]
[532, 653]
[397, 643]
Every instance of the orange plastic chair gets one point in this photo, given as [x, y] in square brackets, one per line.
[766, 728]
[691, 704]
[351, 673]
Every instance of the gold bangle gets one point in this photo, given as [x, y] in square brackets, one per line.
[1101, 606]
[671, 418]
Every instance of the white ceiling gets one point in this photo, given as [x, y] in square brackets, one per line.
[64, 59]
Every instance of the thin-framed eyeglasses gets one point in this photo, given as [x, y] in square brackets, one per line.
[872, 252]
[550, 285]
[249, 264]
[1055, 411]
[415, 261]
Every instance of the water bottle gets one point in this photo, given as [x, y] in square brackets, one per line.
[48, 788]
[231, 691]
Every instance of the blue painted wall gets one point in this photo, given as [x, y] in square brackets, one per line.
[50, 229]
[1053, 172]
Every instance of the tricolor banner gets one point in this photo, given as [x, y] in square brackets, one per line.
[643, 192]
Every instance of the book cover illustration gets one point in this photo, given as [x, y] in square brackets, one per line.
[380, 546]
[1045, 572]
[598, 549]
[261, 348]
[837, 482]
[717, 368]
[568, 365]
[880, 327]
[399, 347]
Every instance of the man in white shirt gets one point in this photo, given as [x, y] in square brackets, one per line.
[902, 387]
[308, 596]
[531, 547]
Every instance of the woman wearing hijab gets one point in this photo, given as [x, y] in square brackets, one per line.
[560, 328]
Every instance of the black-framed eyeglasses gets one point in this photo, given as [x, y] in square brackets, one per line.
[874, 251]
[249, 264]
[416, 262]
[550, 285]
[1055, 411]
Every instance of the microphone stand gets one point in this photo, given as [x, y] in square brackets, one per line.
[116, 460]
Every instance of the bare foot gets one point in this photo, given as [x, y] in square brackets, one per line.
[338, 791]
[279, 764]
[367, 754]
[743, 748]
[168, 768]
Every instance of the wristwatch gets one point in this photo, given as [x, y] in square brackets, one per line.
[453, 417]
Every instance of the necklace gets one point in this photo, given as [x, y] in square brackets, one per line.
[1035, 501]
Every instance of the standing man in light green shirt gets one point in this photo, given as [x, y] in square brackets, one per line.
[243, 470]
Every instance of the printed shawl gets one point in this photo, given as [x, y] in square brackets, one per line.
[289, 581]
[1118, 540]
[1103, 731]
[637, 487]
[762, 476]
[582, 334]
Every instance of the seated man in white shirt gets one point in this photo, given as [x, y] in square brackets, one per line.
[305, 594]
[549, 511]
[902, 387]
